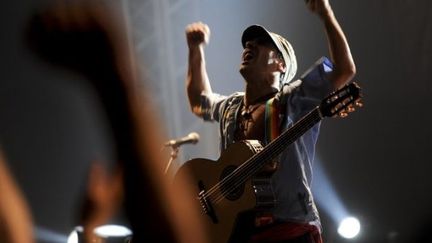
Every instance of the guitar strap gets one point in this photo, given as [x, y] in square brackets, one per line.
[272, 126]
[272, 119]
[275, 111]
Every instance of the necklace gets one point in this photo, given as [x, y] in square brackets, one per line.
[246, 118]
[248, 110]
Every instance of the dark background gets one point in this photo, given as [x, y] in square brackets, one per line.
[377, 159]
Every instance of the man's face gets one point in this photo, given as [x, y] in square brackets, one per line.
[260, 56]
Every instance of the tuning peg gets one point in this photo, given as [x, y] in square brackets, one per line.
[343, 114]
[359, 103]
[333, 98]
[350, 108]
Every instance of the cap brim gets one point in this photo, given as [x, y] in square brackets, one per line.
[253, 32]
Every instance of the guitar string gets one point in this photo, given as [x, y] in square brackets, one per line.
[255, 165]
[226, 185]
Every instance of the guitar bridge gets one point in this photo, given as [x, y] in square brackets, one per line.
[254, 145]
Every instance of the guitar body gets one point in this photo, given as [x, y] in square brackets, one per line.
[204, 174]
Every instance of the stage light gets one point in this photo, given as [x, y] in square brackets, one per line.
[328, 199]
[74, 235]
[326, 196]
[111, 230]
[105, 233]
[349, 227]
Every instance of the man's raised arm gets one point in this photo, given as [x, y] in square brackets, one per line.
[197, 81]
[340, 54]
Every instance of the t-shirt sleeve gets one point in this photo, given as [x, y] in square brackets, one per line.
[211, 105]
[314, 87]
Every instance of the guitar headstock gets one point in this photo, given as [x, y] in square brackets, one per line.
[342, 101]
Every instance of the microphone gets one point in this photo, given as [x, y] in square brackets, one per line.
[192, 137]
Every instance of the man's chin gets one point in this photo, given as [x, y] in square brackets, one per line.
[244, 70]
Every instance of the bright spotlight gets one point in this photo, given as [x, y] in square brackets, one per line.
[73, 236]
[111, 230]
[102, 233]
[349, 227]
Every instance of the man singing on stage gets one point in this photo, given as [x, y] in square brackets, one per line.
[271, 102]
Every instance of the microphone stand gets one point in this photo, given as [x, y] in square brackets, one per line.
[173, 156]
[175, 144]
